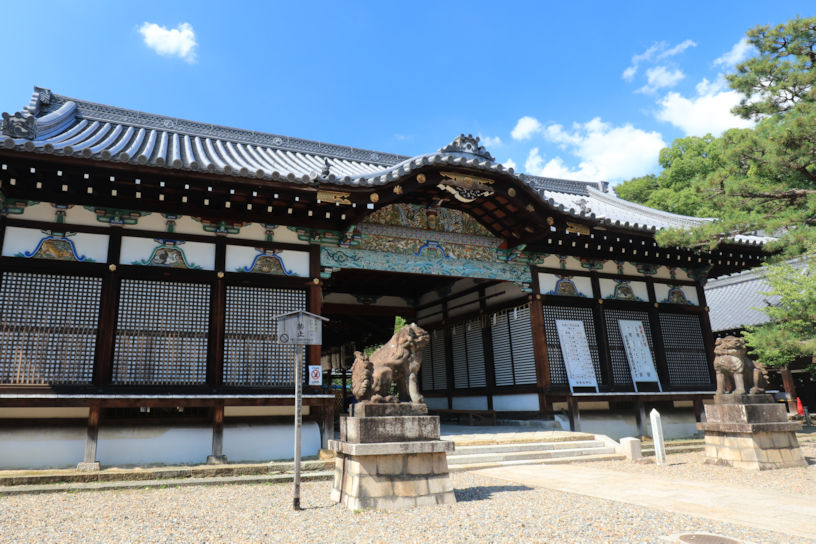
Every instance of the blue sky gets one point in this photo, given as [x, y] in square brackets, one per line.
[582, 90]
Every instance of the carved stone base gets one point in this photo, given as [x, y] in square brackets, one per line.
[750, 432]
[391, 458]
[88, 467]
[216, 459]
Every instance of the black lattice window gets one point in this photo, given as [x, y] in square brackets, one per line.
[513, 356]
[48, 326]
[252, 356]
[686, 355]
[558, 371]
[468, 354]
[433, 370]
[621, 373]
[161, 333]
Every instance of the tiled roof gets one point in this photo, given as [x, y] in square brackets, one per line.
[63, 126]
[734, 300]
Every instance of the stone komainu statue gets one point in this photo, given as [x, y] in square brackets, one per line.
[731, 360]
[397, 361]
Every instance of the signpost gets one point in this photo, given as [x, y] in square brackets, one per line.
[298, 329]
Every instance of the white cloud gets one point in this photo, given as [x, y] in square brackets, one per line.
[177, 42]
[555, 168]
[604, 152]
[677, 49]
[708, 112]
[490, 141]
[661, 77]
[741, 51]
[658, 51]
[509, 163]
[525, 128]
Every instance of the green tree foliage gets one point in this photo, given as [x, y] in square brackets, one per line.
[758, 179]
[791, 332]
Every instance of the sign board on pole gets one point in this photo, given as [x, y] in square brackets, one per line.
[636, 346]
[315, 375]
[575, 350]
[300, 327]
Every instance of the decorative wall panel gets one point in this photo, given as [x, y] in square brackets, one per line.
[267, 261]
[513, 359]
[251, 355]
[161, 333]
[48, 326]
[52, 245]
[686, 355]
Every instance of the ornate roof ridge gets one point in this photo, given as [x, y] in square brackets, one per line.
[106, 113]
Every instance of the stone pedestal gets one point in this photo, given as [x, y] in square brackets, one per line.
[390, 457]
[750, 431]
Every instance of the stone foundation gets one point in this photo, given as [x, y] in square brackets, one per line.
[389, 457]
[750, 432]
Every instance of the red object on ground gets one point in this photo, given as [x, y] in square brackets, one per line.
[799, 408]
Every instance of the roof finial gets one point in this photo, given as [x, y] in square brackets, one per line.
[468, 144]
[326, 168]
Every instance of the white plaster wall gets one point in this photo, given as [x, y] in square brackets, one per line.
[470, 403]
[516, 403]
[53, 447]
[676, 424]
[64, 447]
[436, 403]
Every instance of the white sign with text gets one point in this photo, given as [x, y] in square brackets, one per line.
[636, 345]
[575, 350]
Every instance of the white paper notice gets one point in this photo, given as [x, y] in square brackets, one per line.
[637, 349]
[575, 349]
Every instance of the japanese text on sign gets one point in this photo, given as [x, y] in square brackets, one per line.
[575, 350]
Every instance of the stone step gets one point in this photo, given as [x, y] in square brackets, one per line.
[201, 472]
[688, 448]
[171, 482]
[552, 461]
[468, 459]
[517, 438]
[528, 446]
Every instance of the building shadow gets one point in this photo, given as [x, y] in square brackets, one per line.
[485, 492]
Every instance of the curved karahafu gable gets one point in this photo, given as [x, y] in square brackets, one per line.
[335, 185]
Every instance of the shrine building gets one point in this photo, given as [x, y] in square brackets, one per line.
[144, 258]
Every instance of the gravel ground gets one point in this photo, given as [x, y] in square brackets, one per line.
[488, 511]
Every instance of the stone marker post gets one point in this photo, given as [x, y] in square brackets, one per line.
[657, 436]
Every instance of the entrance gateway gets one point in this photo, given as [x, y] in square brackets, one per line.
[143, 258]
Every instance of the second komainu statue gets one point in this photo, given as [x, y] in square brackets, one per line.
[731, 359]
[397, 362]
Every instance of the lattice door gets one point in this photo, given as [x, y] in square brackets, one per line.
[251, 354]
[161, 334]
[48, 327]
[686, 355]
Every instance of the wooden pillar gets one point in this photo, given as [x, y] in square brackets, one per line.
[487, 348]
[708, 334]
[657, 338]
[574, 412]
[109, 304]
[89, 462]
[315, 299]
[698, 410]
[790, 388]
[217, 457]
[218, 308]
[542, 360]
[640, 416]
[327, 430]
